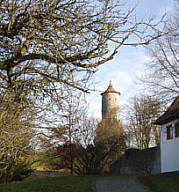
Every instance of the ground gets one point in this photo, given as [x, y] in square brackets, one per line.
[55, 182]
[119, 184]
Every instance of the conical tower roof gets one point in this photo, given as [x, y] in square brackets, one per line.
[110, 89]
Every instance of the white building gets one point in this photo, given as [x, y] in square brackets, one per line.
[170, 138]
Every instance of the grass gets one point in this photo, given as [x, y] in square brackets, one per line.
[168, 182]
[50, 184]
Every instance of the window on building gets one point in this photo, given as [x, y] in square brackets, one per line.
[177, 129]
[169, 132]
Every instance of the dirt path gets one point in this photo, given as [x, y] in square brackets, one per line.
[119, 184]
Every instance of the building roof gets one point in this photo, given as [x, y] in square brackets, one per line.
[110, 89]
[172, 113]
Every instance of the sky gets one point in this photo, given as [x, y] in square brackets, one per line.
[129, 62]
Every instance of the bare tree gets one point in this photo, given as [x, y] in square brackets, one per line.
[81, 154]
[140, 116]
[42, 42]
[47, 44]
[162, 72]
[60, 138]
[95, 159]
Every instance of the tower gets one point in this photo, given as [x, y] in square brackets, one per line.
[110, 125]
[110, 103]
[109, 132]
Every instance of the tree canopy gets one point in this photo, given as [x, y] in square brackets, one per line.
[60, 41]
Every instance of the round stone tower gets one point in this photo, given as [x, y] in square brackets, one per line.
[110, 103]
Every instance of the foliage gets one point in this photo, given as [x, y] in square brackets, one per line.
[16, 133]
[19, 170]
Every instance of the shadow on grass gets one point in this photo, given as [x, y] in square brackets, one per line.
[167, 182]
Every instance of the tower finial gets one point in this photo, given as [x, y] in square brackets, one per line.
[110, 82]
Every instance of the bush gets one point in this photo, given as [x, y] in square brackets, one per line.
[17, 171]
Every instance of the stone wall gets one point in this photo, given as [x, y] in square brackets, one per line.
[110, 106]
[135, 161]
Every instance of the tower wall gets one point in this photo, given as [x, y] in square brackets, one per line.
[110, 105]
[110, 126]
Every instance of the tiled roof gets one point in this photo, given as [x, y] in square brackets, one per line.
[110, 89]
[171, 114]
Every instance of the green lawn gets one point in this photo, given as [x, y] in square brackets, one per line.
[156, 183]
[50, 184]
[168, 182]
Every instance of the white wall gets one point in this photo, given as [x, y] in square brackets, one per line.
[169, 151]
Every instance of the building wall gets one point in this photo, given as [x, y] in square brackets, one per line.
[110, 105]
[136, 161]
[169, 150]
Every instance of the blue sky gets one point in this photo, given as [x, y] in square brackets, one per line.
[128, 63]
